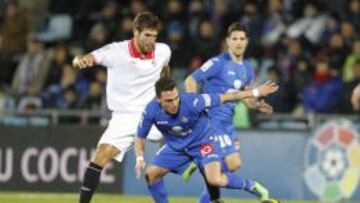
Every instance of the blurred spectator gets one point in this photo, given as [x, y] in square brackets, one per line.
[36, 11]
[324, 93]
[206, 44]
[348, 34]
[179, 46]
[195, 16]
[32, 70]
[310, 26]
[291, 35]
[353, 13]
[335, 51]
[68, 99]
[174, 11]
[347, 69]
[253, 21]
[303, 77]
[349, 87]
[220, 16]
[332, 27]
[101, 76]
[288, 63]
[97, 37]
[273, 26]
[13, 34]
[124, 30]
[108, 18]
[94, 99]
[282, 101]
[137, 6]
[54, 95]
[60, 58]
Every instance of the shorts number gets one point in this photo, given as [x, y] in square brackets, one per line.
[224, 140]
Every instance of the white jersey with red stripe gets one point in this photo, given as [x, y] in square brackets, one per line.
[131, 76]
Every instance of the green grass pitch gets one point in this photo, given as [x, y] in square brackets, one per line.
[18, 197]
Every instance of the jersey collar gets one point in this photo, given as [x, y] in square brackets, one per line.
[135, 54]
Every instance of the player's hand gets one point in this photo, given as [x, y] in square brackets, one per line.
[139, 166]
[268, 88]
[355, 98]
[83, 61]
[264, 107]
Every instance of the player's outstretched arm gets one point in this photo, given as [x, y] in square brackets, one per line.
[191, 84]
[139, 153]
[84, 61]
[355, 98]
[263, 90]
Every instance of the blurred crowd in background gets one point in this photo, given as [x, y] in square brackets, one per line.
[311, 48]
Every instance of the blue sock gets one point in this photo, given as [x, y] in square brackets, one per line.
[158, 192]
[236, 182]
[204, 197]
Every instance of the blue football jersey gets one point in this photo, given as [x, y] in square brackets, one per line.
[189, 127]
[221, 75]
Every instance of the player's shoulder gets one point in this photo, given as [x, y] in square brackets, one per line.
[115, 46]
[162, 47]
[214, 62]
[190, 98]
[152, 106]
[120, 44]
[220, 58]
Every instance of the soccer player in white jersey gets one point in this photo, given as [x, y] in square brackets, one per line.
[133, 67]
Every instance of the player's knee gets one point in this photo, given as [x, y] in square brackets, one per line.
[234, 164]
[152, 175]
[104, 154]
[100, 159]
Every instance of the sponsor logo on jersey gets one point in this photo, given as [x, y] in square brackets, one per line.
[206, 149]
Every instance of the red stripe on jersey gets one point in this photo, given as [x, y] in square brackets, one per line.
[136, 54]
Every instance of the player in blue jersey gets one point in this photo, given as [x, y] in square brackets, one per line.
[226, 72]
[189, 135]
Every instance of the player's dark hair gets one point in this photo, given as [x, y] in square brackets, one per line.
[146, 20]
[164, 84]
[237, 27]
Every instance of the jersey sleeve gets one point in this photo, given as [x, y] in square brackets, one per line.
[207, 70]
[205, 101]
[145, 123]
[103, 54]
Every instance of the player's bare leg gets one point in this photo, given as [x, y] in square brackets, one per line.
[103, 155]
[154, 178]
[217, 178]
[233, 161]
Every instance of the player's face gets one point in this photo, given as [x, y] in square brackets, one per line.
[170, 100]
[237, 42]
[146, 40]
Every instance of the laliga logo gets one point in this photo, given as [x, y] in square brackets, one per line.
[332, 161]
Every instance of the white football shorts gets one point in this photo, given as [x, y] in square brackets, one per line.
[121, 131]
